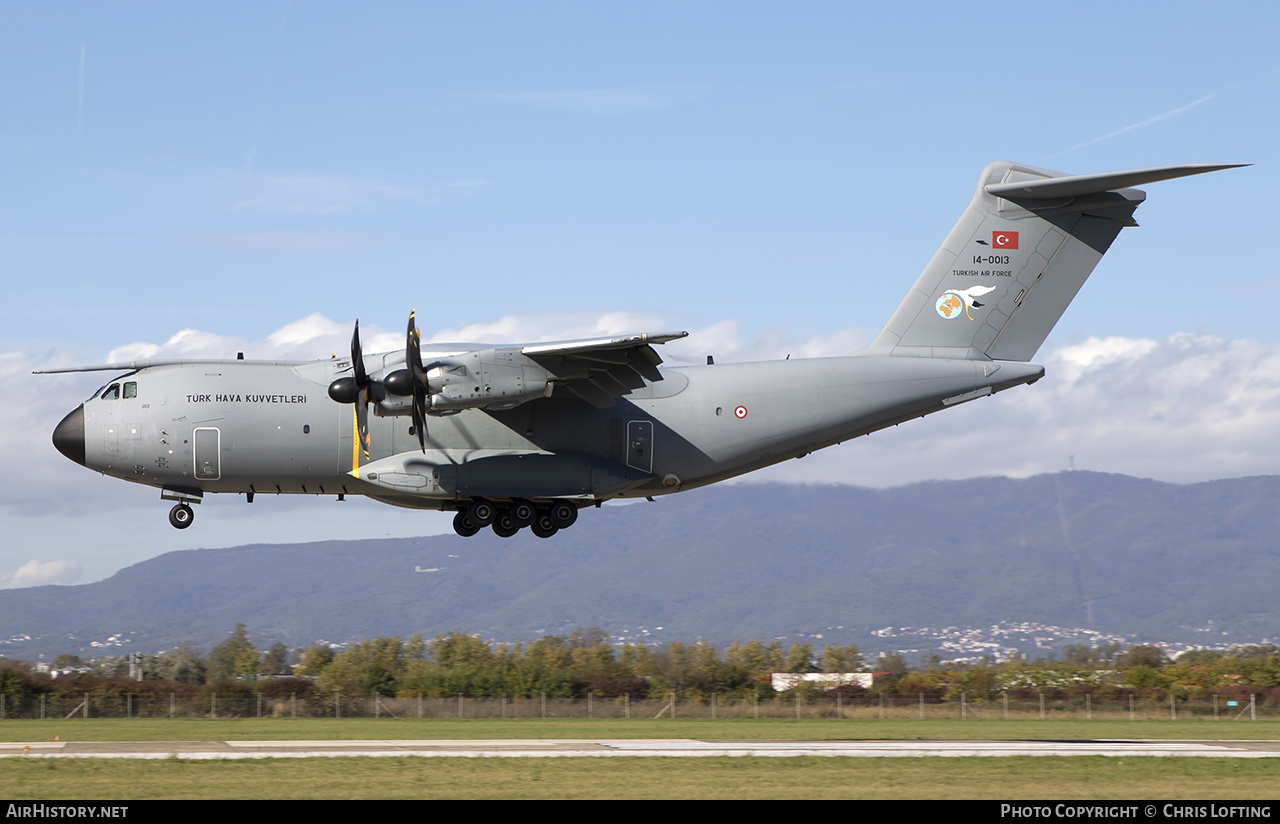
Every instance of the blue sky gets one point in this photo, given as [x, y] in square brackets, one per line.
[208, 179]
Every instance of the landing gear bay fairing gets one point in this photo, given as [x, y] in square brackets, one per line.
[514, 436]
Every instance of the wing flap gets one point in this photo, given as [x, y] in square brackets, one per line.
[600, 344]
[602, 369]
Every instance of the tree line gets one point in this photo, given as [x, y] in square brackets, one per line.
[585, 662]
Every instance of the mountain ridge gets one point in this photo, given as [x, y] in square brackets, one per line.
[1110, 553]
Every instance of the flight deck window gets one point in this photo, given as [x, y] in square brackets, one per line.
[112, 393]
[131, 389]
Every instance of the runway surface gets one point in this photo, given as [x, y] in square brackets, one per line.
[570, 748]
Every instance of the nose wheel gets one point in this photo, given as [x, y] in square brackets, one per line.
[181, 516]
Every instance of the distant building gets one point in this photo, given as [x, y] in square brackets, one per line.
[69, 672]
[782, 681]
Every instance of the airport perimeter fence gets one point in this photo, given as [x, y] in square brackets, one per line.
[872, 705]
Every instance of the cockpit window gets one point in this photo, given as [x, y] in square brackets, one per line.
[112, 393]
[131, 389]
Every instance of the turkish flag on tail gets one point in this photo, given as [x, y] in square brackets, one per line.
[1004, 240]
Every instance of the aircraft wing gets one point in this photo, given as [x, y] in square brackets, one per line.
[136, 366]
[601, 369]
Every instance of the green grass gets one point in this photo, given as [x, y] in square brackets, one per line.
[1051, 777]
[232, 729]
[807, 778]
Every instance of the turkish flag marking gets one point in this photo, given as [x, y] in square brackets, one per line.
[1004, 240]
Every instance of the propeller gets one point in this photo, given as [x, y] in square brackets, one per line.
[356, 390]
[412, 380]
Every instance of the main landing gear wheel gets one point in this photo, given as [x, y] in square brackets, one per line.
[545, 519]
[464, 526]
[543, 527]
[522, 513]
[503, 527]
[181, 516]
[482, 512]
[562, 514]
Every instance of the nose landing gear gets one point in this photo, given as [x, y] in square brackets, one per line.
[181, 516]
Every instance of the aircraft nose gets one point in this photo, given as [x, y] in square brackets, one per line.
[68, 436]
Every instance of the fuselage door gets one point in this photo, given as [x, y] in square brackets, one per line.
[208, 463]
[640, 445]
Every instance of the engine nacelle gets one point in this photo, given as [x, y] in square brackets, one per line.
[493, 379]
[344, 390]
[393, 407]
[490, 379]
[347, 390]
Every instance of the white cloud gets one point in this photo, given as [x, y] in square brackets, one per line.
[544, 327]
[1096, 352]
[1185, 409]
[724, 342]
[304, 332]
[41, 573]
[187, 343]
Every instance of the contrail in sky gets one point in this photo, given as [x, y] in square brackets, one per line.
[80, 99]
[1135, 126]
[1268, 75]
[266, 90]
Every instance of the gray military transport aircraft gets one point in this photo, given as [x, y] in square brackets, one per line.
[511, 436]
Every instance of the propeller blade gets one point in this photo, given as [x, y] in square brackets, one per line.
[357, 358]
[413, 362]
[362, 394]
[362, 419]
[358, 390]
[420, 417]
[413, 350]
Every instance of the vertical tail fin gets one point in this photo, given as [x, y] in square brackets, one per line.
[1018, 255]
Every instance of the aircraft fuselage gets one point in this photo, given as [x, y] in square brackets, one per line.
[246, 427]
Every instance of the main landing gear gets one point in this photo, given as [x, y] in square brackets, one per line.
[544, 520]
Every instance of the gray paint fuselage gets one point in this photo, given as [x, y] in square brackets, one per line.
[270, 427]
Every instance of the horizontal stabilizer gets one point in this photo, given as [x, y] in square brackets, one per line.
[1077, 185]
